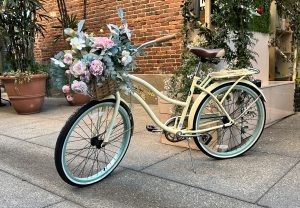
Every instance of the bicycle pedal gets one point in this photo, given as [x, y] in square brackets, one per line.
[152, 129]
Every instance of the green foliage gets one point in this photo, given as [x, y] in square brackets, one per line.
[232, 20]
[291, 10]
[70, 21]
[19, 26]
[180, 83]
[261, 23]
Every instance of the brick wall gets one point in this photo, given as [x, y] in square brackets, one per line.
[149, 19]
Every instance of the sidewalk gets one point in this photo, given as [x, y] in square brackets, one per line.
[151, 174]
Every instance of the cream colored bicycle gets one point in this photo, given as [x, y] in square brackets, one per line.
[225, 121]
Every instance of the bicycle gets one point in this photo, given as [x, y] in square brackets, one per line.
[225, 121]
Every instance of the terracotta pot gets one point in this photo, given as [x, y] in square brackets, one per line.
[79, 99]
[26, 98]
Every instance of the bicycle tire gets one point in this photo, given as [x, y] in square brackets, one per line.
[221, 147]
[83, 141]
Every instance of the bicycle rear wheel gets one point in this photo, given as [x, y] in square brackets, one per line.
[79, 158]
[245, 107]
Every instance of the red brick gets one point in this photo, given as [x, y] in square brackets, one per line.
[149, 19]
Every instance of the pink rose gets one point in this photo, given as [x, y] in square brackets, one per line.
[68, 58]
[77, 69]
[79, 87]
[96, 68]
[70, 98]
[102, 42]
[66, 89]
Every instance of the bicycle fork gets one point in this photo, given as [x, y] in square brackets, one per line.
[113, 119]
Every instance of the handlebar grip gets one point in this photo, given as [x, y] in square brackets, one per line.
[165, 38]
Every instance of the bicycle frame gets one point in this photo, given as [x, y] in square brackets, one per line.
[235, 77]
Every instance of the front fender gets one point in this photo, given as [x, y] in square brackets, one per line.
[213, 87]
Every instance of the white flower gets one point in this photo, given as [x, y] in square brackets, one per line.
[77, 43]
[57, 62]
[126, 58]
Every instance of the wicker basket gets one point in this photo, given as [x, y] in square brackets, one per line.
[109, 87]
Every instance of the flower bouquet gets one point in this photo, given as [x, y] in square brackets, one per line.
[93, 62]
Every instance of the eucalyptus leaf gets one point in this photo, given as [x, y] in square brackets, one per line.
[120, 13]
[80, 25]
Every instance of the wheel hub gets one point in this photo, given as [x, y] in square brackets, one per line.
[95, 141]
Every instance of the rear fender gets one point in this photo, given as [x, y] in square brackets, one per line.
[213, 87]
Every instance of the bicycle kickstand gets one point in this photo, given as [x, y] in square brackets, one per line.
[192, 160]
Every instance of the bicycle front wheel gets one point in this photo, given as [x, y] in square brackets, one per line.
[246, 108]
[80, 158]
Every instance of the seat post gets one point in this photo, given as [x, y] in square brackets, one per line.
[198, 68]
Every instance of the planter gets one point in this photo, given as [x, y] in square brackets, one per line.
[27, 98]
[79, 99]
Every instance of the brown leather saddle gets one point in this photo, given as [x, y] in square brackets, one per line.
[207, 53]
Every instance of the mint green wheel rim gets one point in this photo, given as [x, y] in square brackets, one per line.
[255, 123]
[111, 158]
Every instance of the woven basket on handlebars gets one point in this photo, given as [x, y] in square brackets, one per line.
[108, 87]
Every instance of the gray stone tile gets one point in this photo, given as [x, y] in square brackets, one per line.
[280, 141]
[122, 189]
[247, 177]
[145, 149]
[15, 120]
[141, 118]
[286, 192]
[17, 193]
[38, 127]
[133, 189]
[292, 122]
[35, 164]
[4, 113]
[65, 204]
[48, 140]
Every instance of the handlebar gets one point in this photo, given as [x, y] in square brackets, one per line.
[165, 38]
[257, 71]
[156, 41]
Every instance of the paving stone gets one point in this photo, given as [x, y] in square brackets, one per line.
[286, 192]
[145, 149]
[65, 204]
[37, 128]
[133, 189]
[35, 164]
[141, 118]
[18, 121]
[17, 193]
[280, 141]
[48, 140]
[246, 178]
[291, 122]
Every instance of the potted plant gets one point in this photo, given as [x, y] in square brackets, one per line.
[24, 79]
